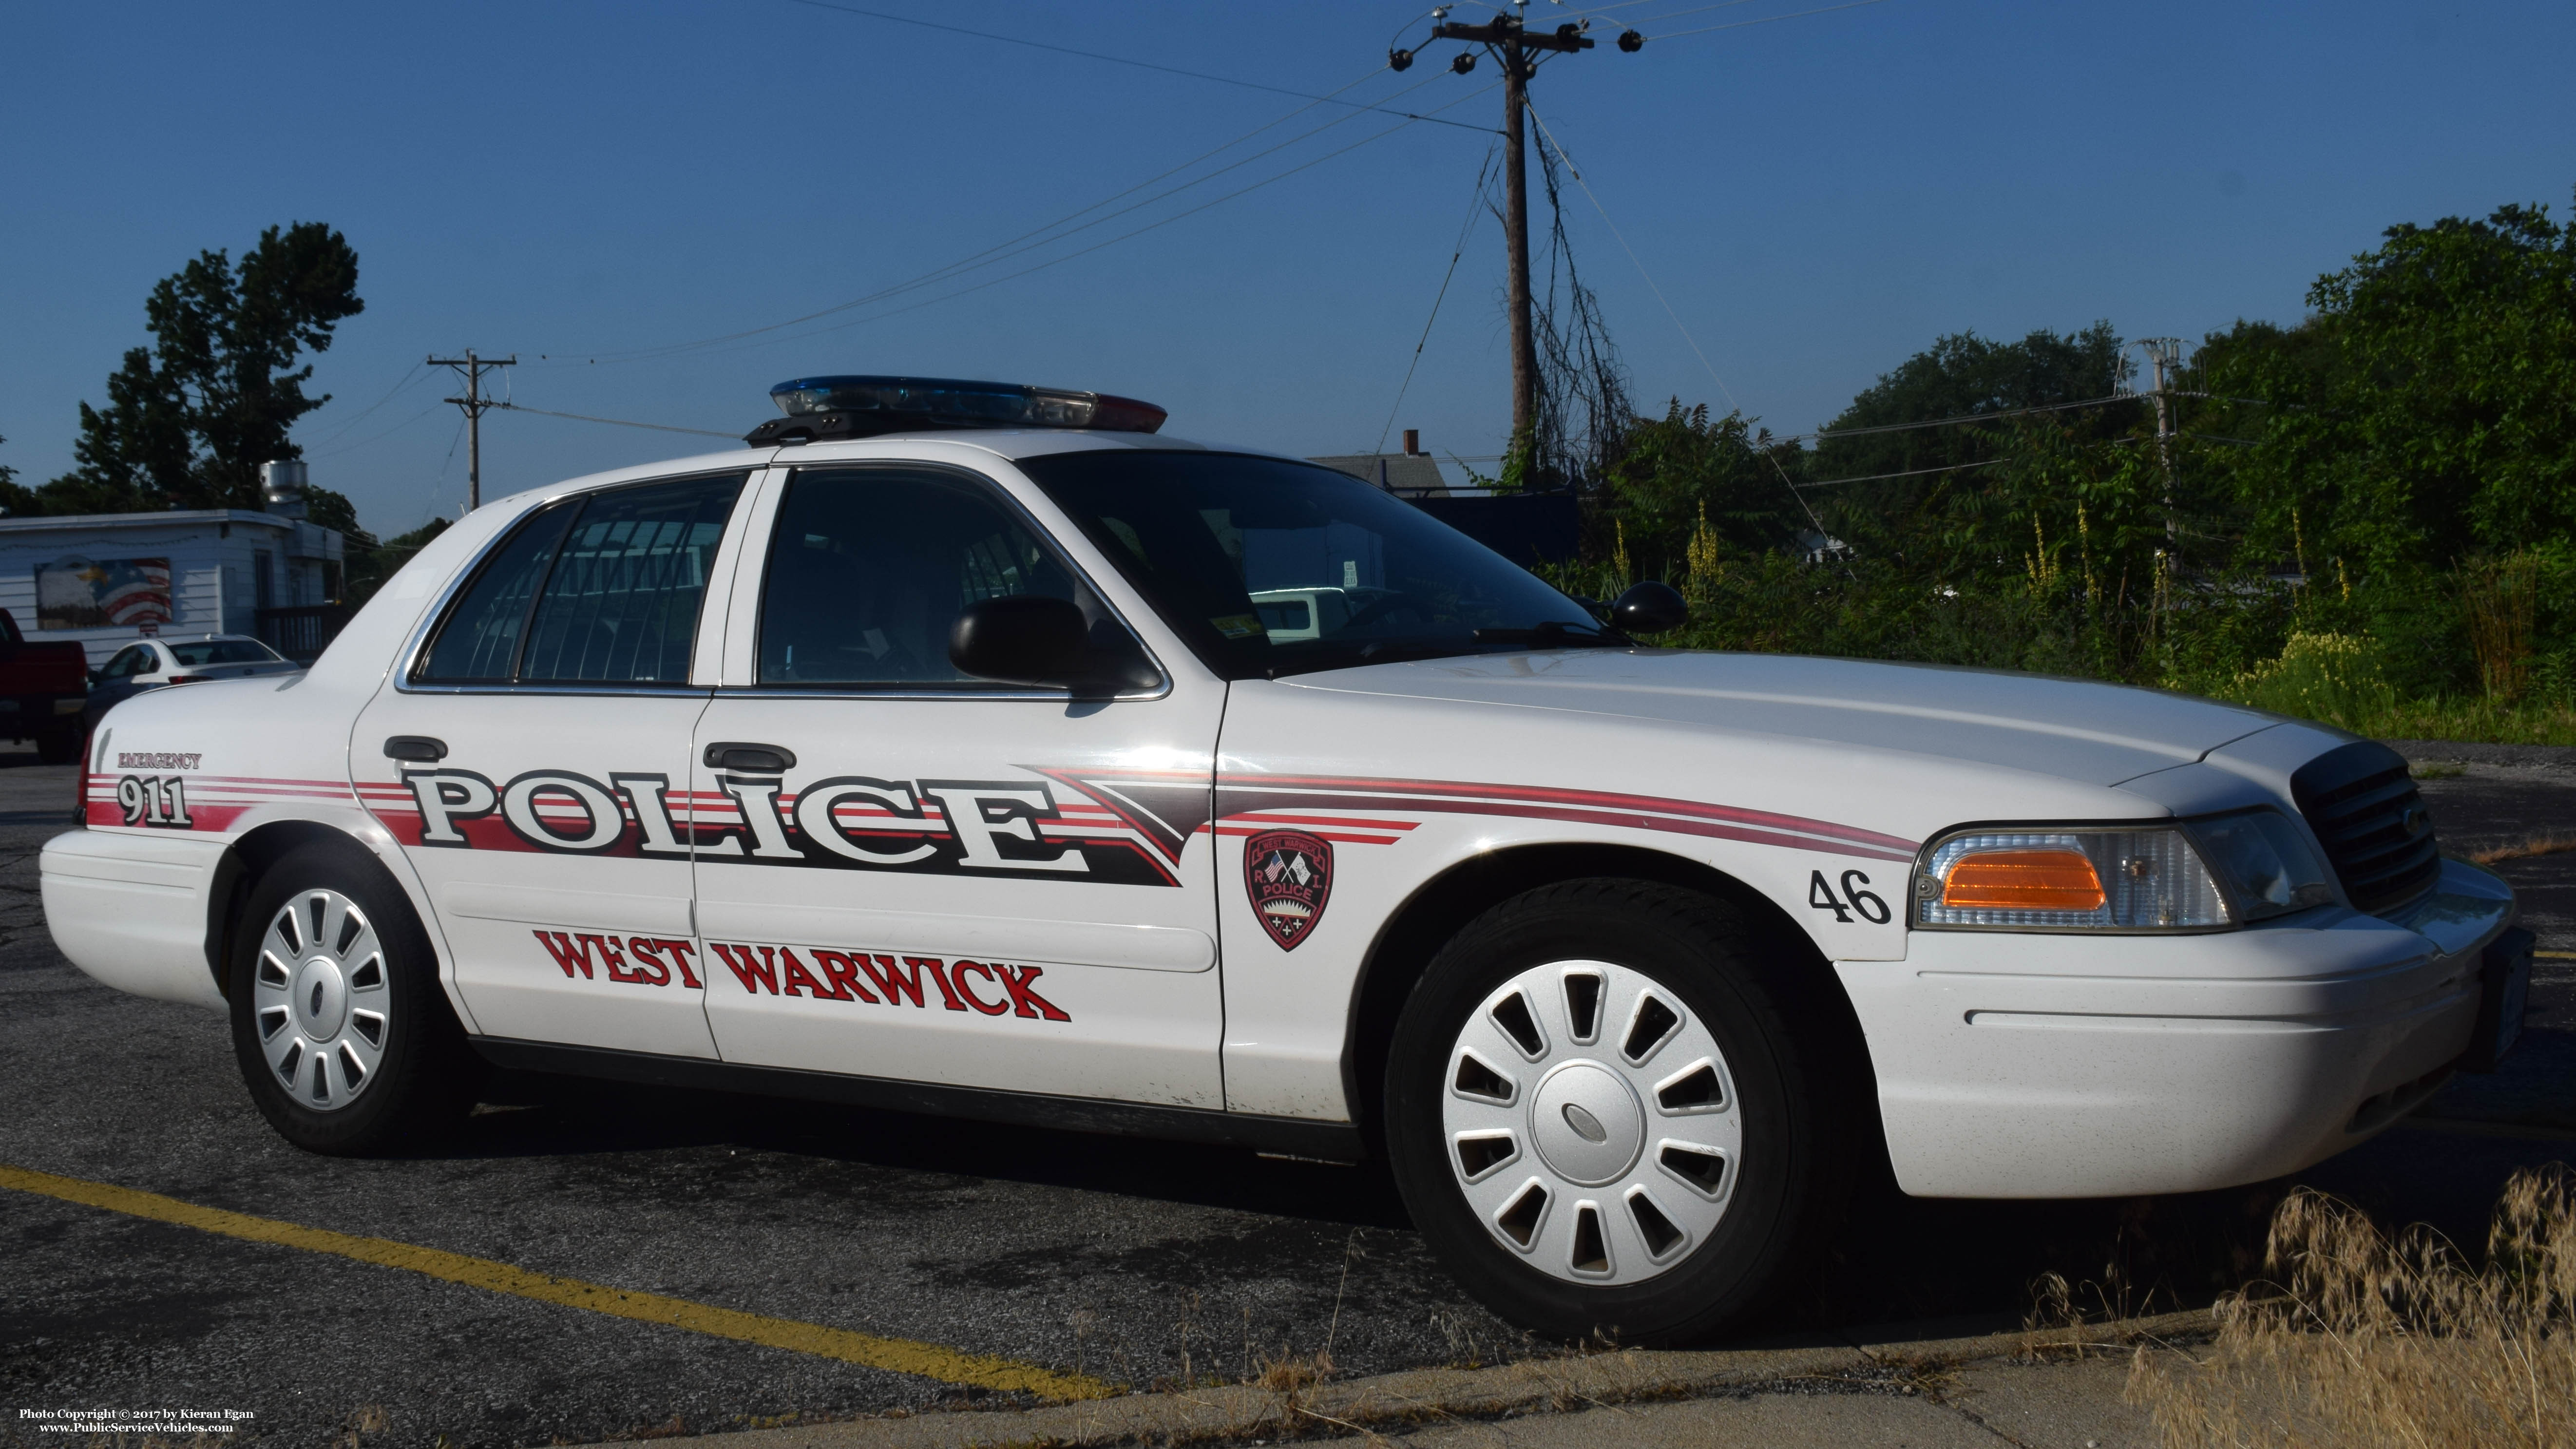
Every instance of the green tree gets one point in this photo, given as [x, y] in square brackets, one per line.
[1685, 469]
[1937, 515]
[189, 420]
[2427, 411]
[371, 563]
[2423, 417]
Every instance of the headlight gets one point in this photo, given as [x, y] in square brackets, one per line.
[2190, 876]
[2070, 880]
[2267, 861]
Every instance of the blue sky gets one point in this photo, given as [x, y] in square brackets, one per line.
[1817, 198]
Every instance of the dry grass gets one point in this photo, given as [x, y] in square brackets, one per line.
[2541, 842]
[2364, 1340]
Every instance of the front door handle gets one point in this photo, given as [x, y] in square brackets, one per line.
[750, 759]
[420, 748]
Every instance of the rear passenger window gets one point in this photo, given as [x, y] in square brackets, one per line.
[601, 589]
[869, 567]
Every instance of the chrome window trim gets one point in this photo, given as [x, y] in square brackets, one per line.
[1011, 504]
[900, 692]
[622, 691]
[417, 644]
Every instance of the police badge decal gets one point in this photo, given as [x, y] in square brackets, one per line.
[1289, 875]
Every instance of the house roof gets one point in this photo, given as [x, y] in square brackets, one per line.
[93, 521]
[1395, 472]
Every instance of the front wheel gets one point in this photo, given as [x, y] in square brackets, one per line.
[1615, 1111]
[341, 1029]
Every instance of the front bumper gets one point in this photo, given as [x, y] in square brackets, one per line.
[2093, 1066]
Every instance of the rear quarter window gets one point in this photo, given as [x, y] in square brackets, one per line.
[603, 588]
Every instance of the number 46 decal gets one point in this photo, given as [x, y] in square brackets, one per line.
[1820, 894]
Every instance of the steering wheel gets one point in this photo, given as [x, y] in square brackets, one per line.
[1370, 614]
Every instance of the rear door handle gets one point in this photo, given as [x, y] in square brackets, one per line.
[421, 748]
[750, 759]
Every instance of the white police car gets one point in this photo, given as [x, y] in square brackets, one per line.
[934, 753]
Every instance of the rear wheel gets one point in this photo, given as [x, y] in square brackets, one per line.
[339, 1024]
[1612, 1112]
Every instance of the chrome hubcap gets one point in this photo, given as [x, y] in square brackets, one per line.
[1591, 1122]
[320, 999]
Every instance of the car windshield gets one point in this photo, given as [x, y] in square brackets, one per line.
[1272, 567]
[198, 653]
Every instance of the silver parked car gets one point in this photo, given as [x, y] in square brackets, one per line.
[153, 663]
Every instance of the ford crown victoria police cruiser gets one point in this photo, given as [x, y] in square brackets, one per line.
[972, 749]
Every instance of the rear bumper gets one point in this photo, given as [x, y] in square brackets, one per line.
[25, 715]
[2066, 1066]
[131, 910]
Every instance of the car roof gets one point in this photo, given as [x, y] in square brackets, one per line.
[1010, 444]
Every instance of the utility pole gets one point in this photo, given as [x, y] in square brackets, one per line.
[2165, 353]
[1511, 42]
[474, 403]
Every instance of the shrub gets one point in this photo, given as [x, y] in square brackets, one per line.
[2337, 678]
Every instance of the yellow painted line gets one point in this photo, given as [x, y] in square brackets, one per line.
[2555, 955]
[902, 1355]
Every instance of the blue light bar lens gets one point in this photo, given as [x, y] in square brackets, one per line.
[953, 403]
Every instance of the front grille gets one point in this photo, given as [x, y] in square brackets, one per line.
[2366, 811]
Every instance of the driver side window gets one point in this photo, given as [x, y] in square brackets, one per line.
[132, 661]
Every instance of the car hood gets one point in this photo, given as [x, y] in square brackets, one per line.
[2098, 734]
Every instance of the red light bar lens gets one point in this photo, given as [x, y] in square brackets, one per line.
[1125, 414]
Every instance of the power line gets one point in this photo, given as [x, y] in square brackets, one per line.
[1678, 14]
[1123, 60]
[1964, 418]
[614, 422]
[1002, 251]
[1767, 19]
[345, 428]
[1908, 473]
[1123, 236]
[387, 433]
[1475, 206]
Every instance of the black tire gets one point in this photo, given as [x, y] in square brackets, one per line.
[58, 747]
[424, 1077]
[1798, 1090]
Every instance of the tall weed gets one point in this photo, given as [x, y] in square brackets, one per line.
[2363, 1339]
[2501, 597]
[2336, 678]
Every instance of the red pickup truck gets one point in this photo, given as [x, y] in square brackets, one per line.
[42, 689]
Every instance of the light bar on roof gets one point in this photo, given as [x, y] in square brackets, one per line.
[856, 406]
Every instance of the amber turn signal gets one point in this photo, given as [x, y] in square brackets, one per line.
[2023, 880]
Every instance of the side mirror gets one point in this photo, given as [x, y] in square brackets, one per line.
[1034, 640]
[1649, 608]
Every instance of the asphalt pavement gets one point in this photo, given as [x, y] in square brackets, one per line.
[1135, 1263]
